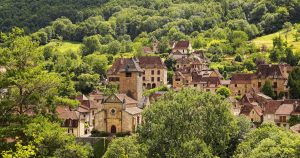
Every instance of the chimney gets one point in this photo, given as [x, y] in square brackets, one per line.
[295, 105]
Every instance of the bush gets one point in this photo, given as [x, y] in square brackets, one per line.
[96, 133]
[123, 134]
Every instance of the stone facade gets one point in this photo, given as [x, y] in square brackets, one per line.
[154, 73]
[242, 83]
[119, 114]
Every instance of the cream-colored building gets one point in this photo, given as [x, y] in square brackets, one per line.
[154, 71]
[119, 114]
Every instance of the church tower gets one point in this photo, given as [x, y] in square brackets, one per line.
[131, 82]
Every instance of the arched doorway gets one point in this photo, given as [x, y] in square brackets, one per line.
[113, 129]
[148, 86]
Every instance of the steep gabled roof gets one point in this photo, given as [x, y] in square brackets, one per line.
[64, 112]
[122, 98]
[285, 109]
[148, 62]
[133, 110]
[182, 45]
[124, 64]
[270, 70]
[271, 106]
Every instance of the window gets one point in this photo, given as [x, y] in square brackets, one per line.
[152, 72]
[207, 90]
[158, 72]
[117, 79]
[282, 118]
[235, 85]
[70, 130]
[138, 119]
[152, 79]
[177, 79]
[144, 78]
[128, 74]
[259, 84]
[275, 85]
[195, 85]
[158, 79]
[113, 111]
[93, 112]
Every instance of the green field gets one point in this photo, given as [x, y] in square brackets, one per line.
[268, 39]
[64, 46]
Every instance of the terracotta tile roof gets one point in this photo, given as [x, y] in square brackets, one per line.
[182, 45]
[200, 54]
[247, 108]
[133, 110]
[296, 128]
[241, 78]
[258, 110]
[65, 113]
[273, 71]
[285, 109]
[271, 106]
[147, 62]
[124, 97]
[184, 60]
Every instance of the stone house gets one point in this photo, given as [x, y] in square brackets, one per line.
[183, 47]
[288, 108]
[253, 112]
[241, 83]
[119, 114]
[70, 120]
[277, 74]
[153, 69]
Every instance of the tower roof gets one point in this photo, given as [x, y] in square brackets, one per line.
[131, 65]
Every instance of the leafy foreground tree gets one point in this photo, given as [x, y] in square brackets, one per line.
[269, 141]
[124, 148]
[189, 123]
[294, 83]
[45, 139]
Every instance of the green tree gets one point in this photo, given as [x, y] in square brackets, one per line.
[47, 139]
[294, 83]
[124, 148]
[267, 89]
[91, 44]
[198, 116]
[238, 58]
[98, 63]
[87, 83]
[269, 141]
[30, 87]
[287, 28]
[22, 151]
[224, 92]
